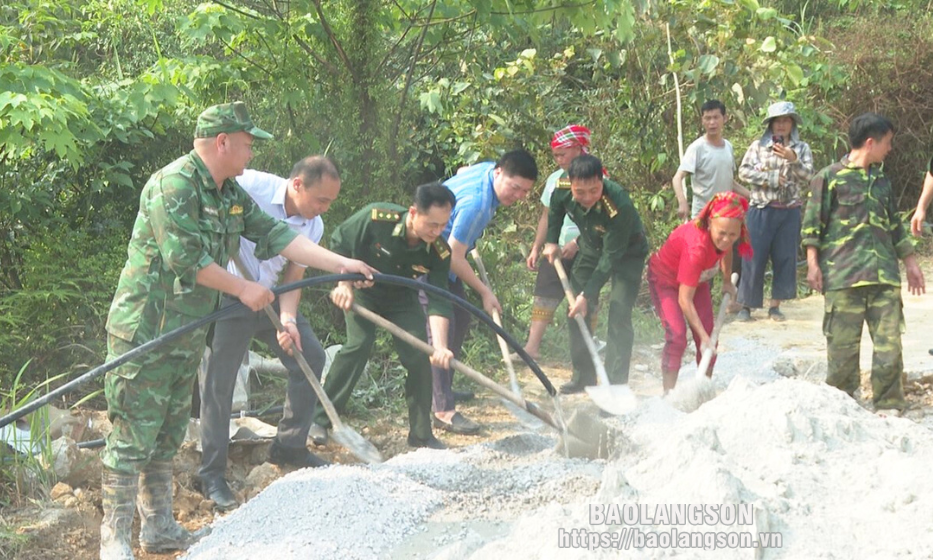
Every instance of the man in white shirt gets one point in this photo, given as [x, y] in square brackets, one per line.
[709, 161]
[298, 201]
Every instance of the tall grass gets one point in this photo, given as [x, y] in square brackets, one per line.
[23, 472]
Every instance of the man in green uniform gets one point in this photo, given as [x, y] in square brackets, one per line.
[854, 238]
[612, 246]
[191, 216]
[403, 242]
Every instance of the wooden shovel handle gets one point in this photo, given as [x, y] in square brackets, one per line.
[581, 323]
[299, 357]
[466, 370]
[503, 345]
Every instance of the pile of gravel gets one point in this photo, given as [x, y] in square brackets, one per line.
[366, 512]
[337, 512]
[500, 479]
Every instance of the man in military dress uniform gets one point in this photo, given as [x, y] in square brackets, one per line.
[613, 246]
[404, 242]
[191, 216]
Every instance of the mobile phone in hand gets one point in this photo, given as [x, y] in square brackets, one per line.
[779, 140]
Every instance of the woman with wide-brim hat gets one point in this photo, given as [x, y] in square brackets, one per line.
[775, 169]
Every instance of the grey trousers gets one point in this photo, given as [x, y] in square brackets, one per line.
[443, 379]
[232, 336]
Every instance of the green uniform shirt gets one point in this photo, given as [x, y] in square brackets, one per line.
[852, 219]
[184, 224]
[612, 228]
[376, 235]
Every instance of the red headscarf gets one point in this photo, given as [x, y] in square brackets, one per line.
[727, 205]
[573, 135]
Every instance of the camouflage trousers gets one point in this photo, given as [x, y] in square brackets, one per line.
[149, 401]
[879, 306]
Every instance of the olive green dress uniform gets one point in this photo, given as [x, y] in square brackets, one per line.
[184, 223]
[613, 246]
[376, 235]
[851, 218]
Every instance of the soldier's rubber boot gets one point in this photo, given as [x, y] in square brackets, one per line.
[118, 498]
[159, 532]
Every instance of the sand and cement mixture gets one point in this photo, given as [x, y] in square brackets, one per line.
[834, 480]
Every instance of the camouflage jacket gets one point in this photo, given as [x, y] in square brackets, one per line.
[184, 224]
[851, 218]
[376, 235]
[612, 228]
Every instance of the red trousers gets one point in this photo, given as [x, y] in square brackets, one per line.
[674, 322]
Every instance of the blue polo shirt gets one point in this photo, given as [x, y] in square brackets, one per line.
[476, 203]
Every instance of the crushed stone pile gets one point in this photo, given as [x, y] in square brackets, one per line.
[341, 512]
[833, 479]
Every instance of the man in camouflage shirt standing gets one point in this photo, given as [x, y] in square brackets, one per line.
[854, 238]
[612, 246]
[404, 242]
[191, 216]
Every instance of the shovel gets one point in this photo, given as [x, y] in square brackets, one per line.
[342, 434]
[529, 421]
[694, 392]
[614, 399]
[595, 441]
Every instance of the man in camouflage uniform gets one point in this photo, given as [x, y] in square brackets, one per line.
[191, 216]
[404, 242]
[613, 246]
[854, 238]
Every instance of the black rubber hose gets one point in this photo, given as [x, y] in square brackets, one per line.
[95, 443]
[220, 313]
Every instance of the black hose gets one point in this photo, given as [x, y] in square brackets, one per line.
[307, 282]
[95, 443]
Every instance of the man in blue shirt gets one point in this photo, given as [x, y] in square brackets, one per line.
[480, 189]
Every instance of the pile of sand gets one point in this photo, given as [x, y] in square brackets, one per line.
[835, 480]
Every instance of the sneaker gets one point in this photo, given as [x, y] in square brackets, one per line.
[888, 412]
[775, 314]
[744, 315]
[318, 434]
[459, 424]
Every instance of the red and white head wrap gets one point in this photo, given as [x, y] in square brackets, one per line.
[573, 135]
[727, 205]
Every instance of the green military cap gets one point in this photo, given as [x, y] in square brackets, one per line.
[227, 117]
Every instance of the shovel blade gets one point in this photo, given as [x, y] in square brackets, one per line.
[523, 416]
[356, 444]
[689, 395]
[589, 437]
[614, 399]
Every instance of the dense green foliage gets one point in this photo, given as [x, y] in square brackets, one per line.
[94, 96]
